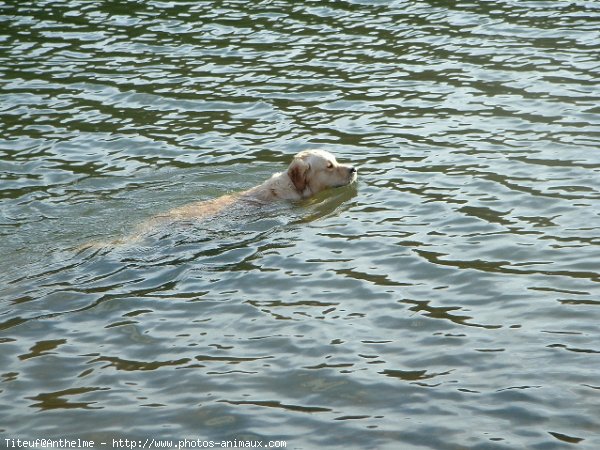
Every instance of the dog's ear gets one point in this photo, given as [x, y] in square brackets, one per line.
[297, 172]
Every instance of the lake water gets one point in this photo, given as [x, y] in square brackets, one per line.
[448, 300]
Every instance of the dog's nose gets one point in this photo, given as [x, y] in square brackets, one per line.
[353, 169]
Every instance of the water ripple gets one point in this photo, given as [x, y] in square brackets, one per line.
[456, 284]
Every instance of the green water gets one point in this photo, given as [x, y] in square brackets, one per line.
[448, 300]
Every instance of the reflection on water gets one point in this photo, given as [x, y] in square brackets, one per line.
[450, 300]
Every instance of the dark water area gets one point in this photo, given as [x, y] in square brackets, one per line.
[448, 300]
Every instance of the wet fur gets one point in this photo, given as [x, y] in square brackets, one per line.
[309, 173]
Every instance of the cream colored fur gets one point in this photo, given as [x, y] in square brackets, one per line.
[309, 173]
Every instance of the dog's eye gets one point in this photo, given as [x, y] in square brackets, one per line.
[330, 165]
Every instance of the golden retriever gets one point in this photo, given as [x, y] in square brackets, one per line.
[310, 172]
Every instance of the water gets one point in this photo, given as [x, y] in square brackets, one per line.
[449, 300]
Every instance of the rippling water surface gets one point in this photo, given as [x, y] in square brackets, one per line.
[448, 300]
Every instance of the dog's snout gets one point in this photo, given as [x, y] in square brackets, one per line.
[353, 170]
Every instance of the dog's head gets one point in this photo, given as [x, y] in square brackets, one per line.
[312, 171]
